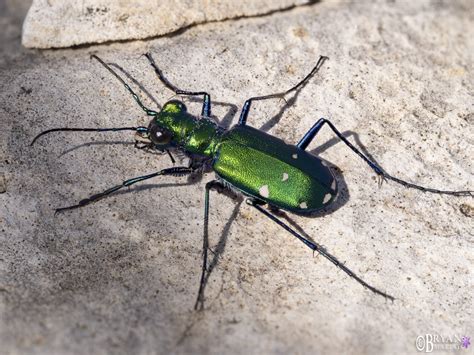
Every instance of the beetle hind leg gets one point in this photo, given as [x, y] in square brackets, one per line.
[310, 135]
[318, 248]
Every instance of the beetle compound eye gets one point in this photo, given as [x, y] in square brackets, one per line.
[163, 137]
[160, 136]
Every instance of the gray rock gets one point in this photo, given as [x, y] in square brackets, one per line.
[65, 23]
[121, 276]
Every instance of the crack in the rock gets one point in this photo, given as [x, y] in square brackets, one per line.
[183, 29]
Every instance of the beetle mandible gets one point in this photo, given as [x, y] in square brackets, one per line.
[263, 168]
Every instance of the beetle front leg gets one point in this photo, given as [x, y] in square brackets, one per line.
[177, 171]
[206, 106]
[309, 136]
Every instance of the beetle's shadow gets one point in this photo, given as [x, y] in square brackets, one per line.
[145, 187]
[225, 122]
[343, 195]
[94, 143]
[123, 143]
[335, 140]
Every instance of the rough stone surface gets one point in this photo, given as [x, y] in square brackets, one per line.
[121, 276]
[65, 23]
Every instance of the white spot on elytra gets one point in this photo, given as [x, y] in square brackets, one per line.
[303, 205]
[333, 185]
[326, 198]
[263, 191]
[323, 163]
[285, 177]
[295, 156]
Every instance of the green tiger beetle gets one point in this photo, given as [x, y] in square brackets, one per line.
[248, 161]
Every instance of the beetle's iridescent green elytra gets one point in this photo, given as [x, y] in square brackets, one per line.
[265, 167]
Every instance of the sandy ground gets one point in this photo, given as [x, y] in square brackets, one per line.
[121, 276]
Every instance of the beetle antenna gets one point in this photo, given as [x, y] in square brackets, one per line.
[139, 129]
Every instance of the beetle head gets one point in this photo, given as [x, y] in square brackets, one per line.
[159, 134]
[154, 136]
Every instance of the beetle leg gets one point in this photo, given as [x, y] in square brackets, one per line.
[206, 106]
[246, 107]
[140, 145]
[177, 171]
[309, 136]
[171, 156]
[135, 96]
[150, 147]
[316, 247]
[199, 305]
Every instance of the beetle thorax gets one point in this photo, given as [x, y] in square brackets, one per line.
[192, 134]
